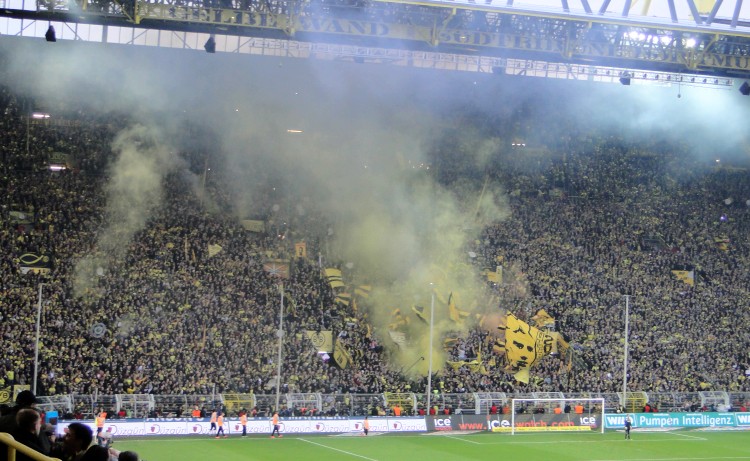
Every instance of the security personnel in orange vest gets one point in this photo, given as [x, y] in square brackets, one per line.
[213, 421]
[275, 422]
[397, 410]
[220, 424]
[243, 421]
[579, 409]
[196, 412]
[100, 419]
[558, 410]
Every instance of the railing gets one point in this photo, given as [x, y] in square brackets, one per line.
[484, 401]
[406, 400]
[7, 442]
[364, 404]
[136, 405]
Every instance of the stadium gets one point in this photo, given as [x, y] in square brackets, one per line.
[470, 228]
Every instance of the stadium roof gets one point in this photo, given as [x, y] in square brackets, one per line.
[606, 37]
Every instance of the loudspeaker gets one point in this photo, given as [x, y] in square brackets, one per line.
[50, 35]
[210, 45]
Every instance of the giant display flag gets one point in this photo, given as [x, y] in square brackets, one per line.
[523, 345]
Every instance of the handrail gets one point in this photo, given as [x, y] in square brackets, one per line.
[14, 446]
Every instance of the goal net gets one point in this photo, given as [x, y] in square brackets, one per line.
[534, 415]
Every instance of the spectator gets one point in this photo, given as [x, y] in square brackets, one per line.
[29, 433]
[75, 443]
[128, 456]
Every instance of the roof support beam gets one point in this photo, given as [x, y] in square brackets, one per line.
[626, 8]
[694, 12]
[672, 11]
[736, 15]
[713, 12]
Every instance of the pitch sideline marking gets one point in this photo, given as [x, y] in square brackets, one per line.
[462, 440]
[673, 459]
[582, 441]
[336, 449]
[689, 436]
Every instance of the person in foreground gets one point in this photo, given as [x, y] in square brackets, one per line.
[75, 442]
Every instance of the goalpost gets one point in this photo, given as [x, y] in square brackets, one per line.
[538, 415]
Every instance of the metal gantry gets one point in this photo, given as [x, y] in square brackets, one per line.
[704, 41]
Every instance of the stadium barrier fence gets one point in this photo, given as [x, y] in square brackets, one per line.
[12, 446]
[144, 405]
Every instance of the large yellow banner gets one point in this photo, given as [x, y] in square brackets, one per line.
[323, 340]
[523, 346]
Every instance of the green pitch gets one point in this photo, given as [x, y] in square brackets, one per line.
[611, 446]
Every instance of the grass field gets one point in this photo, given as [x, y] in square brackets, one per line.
[611, 446]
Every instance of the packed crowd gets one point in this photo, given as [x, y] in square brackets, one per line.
[607, 219]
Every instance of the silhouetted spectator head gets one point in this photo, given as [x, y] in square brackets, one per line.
[78, 437]
[26, 399]
[29, 420]
[128, 456]
[96, 453]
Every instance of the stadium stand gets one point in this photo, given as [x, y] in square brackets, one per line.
[599, 218]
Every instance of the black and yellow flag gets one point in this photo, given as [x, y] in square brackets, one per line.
[341, 354]
[290, 303]
[214, 249]
[722, 242]
[397, 320]
[363, 291]
[322, 340]
[34, 263]
[343, 298]
[449, 343]
[523, 346]
[686, 276]
[454, 313]
[335, 279]
[475, 365]
[300, 250]
[420, 313]
[5, 395]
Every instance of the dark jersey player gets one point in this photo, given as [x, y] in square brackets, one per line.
[628, 425]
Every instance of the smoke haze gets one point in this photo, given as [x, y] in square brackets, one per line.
[363, 155]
